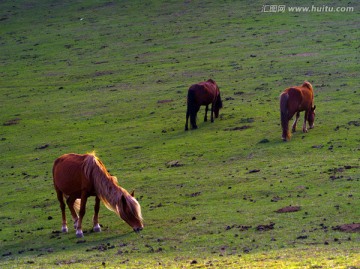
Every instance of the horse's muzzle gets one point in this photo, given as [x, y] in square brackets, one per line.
[137, 230]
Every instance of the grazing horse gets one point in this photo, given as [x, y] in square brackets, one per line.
[202, 94]
[294, 100]
[76, 177]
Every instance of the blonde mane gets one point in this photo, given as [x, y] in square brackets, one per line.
[114, 197]
[308, 85]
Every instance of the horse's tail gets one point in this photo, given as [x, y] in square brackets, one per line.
[192, 106]
[284, 114]
[76, 205]
[219, 101]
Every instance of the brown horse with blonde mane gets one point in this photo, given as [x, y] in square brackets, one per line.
[294, 100]
[76, 177]
[202, 94]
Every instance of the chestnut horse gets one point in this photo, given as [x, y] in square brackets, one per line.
[202, 94]
[294, 100]
[76, 177]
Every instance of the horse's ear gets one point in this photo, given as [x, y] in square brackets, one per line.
[133, 193]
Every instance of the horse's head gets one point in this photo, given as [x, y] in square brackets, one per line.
[311, 117]
[130, 211]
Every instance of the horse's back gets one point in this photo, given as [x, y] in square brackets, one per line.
[303, 96]
[294, 94]
[210, 86]
[69, 160]
[299, 98]
[68, 173]
[204, 92]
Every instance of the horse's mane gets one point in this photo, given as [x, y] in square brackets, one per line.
[308, 85]
[211, 81]
[114, 197]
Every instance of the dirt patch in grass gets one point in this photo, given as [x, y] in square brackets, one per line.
[288, 209]
[354, 122]
[174, 163]
[252, 171]
[348, 228]
[165, 101]
[265, 227]
[238, 128]
[102, 73]
[305, 54]
[68, 262]
[44, 146]
[12, 122]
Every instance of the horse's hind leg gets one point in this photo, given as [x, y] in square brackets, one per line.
[305, 130]
[70, 202]
[79, 232]
[212, 113]
[206, 111]
[97, 227]
[295, 122]
[187, 118]
[193, 114]
[60, 197]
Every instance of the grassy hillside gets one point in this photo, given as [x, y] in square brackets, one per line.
[113, 77]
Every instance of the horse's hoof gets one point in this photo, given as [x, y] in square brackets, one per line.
[97, 228]
[64, 229]
[79, 234]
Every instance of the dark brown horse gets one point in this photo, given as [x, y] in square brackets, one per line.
[202, 94]
[76, 177]
[294, 100]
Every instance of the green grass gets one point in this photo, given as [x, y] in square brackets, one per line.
[77, 77]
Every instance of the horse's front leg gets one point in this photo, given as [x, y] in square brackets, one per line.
[295, 122]
[97, 227]
[305, 130]
[206, 111]
[79, 232]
